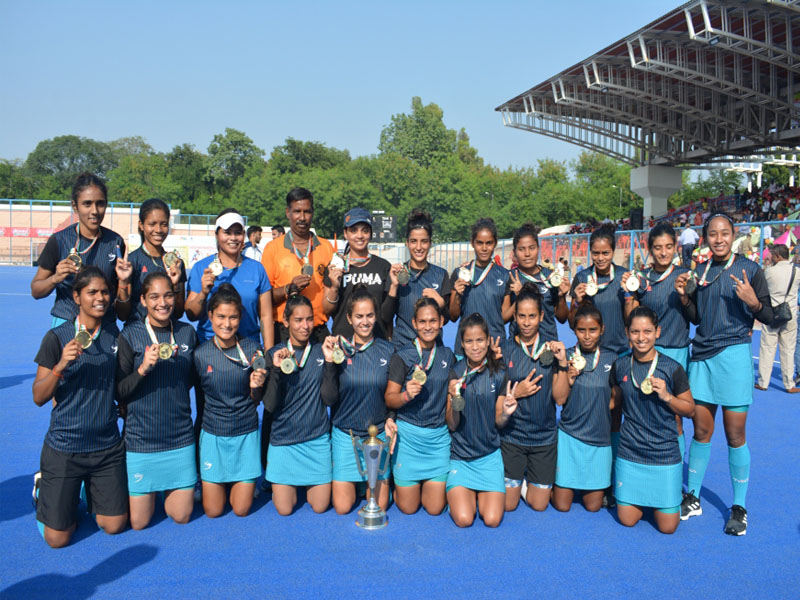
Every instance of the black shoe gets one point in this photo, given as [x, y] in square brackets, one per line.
[737, 524]
[37, 477]
[690, 506]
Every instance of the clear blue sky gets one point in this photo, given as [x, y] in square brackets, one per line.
[334, 72]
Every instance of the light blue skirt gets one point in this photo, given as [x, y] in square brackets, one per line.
[581, 466]
[307, 463]
[159, 471]
[421, 453]
[484, 474]
[725, 379]
[679, 355]
[229, 459]
[657, 486]
[344, 459]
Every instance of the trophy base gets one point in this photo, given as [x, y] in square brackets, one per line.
[370, 519]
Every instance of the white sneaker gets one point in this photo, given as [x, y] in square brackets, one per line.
[524, 491]
[35, 493]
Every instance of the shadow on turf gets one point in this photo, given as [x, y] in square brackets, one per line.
[12, 380]
[86, 584]
[15, 498]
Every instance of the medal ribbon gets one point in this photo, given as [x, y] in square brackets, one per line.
[536, 353]
[431, 357]
[650, 371]
[78, 241]
[602, 286]
[79, 327]
[595, 360]
[703, 283]
[242, 355]
[356, 260]
[462, 381]
[350, 347]
[542, 279]
[483, 275]
[407, 268]
[663, 276]
[153, 337]
[303, 257]
[303, 358]
[153, 258]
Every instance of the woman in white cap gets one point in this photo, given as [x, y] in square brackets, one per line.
[245, 274]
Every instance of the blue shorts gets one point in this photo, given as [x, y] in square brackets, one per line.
[160, 471]
[344, 459]
[679, 355]
[421, 453]
[306, 463]
[229, 459]
[581, 466]
[484, 474]
[656, 486]
[725, 379]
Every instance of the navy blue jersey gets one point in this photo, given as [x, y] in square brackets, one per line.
[649, 435]
[144, 264]
[666, 303]
[407, 295]
[485, 299]
[103, 254]
[610, 302]
[84, 418]
[724, 319]
[534, 421]
[229, 410]
[159, 413]
[547, 328]
[586, 415]
[426, 409]
[476, 434]
[298, 412]
[362, 385]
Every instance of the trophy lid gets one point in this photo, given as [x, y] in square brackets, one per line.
[372, 431]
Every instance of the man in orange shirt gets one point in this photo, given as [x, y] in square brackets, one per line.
[298, 258]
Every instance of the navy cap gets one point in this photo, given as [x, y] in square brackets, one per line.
[354, 216]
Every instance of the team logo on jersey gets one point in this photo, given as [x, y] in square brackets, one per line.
[494, 388]
[511, 364]
[209, 369]
[112, 257]
[624, 379]
[144, 268]
[435, 286]
[606, 368]
[499, 282]
[185, 347]
[383, 362]
[114, 348]
[321, 270]
[444, 364]
[137, 477]
[320, 361]
[349, 361]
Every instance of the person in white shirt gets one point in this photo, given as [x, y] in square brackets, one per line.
[688, 242]
[784, 337]
[254, 239]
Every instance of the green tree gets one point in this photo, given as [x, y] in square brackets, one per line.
[229, 156]
[65, 156]
[186, 168]
[421, 136]
[128, 146]
[142, 176]
[296, 155]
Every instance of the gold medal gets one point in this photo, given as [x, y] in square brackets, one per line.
[647, 386]
[75, 258]
[632, 283]
[419, 376]
[591, 287]
[338, 355]
[287, 366]
[170, 258]
[84, 338]
[165, 351]
[555, 279]
[457, 403]
[216, 267]
[579, 362]
[403, 277]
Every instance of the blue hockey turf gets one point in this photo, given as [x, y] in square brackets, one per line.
[264, 555]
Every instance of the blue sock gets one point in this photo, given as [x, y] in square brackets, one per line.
[699, 455]
[682, 446]
[40, 526]
[739, 463]
[614, 444]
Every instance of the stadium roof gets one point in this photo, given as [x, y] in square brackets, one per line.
[708, 82]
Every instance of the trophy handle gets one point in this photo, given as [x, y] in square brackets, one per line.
[356, 445]
[387, 456]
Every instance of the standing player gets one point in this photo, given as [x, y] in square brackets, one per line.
[654, 388]
[354, 390]
[360, 267]
[480, 401]
[552, 285]
[229, 445]
[154, 374]
[87, 243]
[538, 370]
[151, 257]
[417, 278]
[584, 431]
[299, 453]
[421, 458]
[76, 369]
[481, 287]
[730, 292]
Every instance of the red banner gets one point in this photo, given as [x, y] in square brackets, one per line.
[36, 232]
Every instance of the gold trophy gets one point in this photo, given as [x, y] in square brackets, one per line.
[372, 516]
